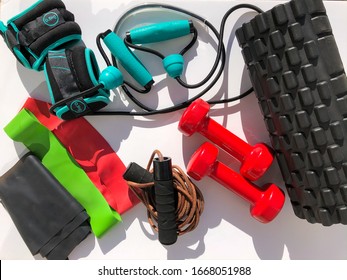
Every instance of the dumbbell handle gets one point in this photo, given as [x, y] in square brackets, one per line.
[266, 203]
[235, 182]
[255, 160]
[225, 139]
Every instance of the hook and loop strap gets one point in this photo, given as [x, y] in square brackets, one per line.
[25, 128]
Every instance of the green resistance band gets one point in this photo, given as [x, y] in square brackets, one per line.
[41, 142]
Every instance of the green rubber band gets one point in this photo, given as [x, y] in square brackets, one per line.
[41, 142]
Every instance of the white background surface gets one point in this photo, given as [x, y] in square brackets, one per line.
[226, 230]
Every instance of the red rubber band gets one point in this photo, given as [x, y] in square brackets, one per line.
[92, 152]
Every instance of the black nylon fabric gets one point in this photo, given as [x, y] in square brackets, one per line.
[39, 9]
[64, 30]
[69, 74]
[49, 219]
[37, 28]
[60, 71]
[77, 60]
[47, 25]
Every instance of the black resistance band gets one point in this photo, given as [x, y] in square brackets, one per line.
[50, 221]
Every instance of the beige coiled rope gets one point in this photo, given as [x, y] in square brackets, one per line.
[190, 201]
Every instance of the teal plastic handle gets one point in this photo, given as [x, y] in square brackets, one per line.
[160, 32]
[3, 27]
[127, 59]
[173, 65]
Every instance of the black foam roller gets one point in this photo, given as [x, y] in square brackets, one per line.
[301, 85]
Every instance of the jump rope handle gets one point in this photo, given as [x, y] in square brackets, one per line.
[127, 59]
[159, 32]
[165, 198]
[164, 194]
[138, 174]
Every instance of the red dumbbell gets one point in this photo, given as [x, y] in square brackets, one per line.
[265, 204]
[255, 159]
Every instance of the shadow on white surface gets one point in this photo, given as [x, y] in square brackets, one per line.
[287, 234]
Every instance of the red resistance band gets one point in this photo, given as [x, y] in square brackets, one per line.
[92, 152]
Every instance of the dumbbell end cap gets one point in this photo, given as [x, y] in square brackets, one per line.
[193, 117]
[270, 204]
[257, 162]
[202, 161]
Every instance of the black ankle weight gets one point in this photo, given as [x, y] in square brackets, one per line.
[69, 72]
[44, 26]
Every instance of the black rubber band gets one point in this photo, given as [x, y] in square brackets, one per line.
[42, 210]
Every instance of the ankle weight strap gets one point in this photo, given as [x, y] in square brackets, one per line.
[44, 26]
[70, 72]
